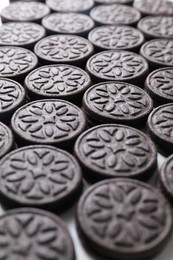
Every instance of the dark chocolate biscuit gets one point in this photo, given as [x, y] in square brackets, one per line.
[69, 49]
[117, 102]
[34, 234]
[64, 23]
[53, 121]
[159, 84]
[115, 14]
[70, 6]
[117, 65]
[16, 62]
[156, 7]
[156, 27]
[6, 140]
[24, 12]
[124, 219]
[158, 53]
[57, 81]
[111, 150]
[39, 176]
[23, 34]
[126, 2]
[116, 37]
[160, 125]
[12, 96]
[166, 178]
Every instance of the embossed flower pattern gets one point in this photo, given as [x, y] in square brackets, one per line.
[160, 51]
[124, 215]
[31, 236]
[115, 37]
[62, 48]
[37, 175]
[19, 33]
[15, 60]
[116, 65]
[115, 150]
[118, 100]
[58, 80]
[71, 6]
[155, 7]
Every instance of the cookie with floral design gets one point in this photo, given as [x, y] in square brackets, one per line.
[117, 65]
[57, 81]
[22, 34]
[6, 140]
[158, 53]
[48, 121]
[116, 37]
[63, 49]
[124, 219]
[117, 102]
[24, 12]
[34, 234]
[39, 176]
[111, 150]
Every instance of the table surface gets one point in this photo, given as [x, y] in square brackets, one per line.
[69, 219]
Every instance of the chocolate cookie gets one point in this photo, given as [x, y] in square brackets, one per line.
[39, 176]
[166, 178]
[159, 85]
[12, 96]
[34, 234]
[126, 2]
[115, 14]
[116, 37]
[21, 34]
[57, 81]
[117, 102]
[16, 62]
[69, 49]
[6, 140]
[49, 121]
[111, 150]
[160, 125]
[24, 12]
[124, 219]
[158, 53]
[70, 6]
[157, 7]
[117, 65]
[156, 27]
[64, 23]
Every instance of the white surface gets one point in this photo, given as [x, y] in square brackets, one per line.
[69, 217]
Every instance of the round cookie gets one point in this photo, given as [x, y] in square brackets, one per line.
[124, 218]
[117, 102]
[16, 62]
[158, 53]
[12, 96]
[111, 150]
[57, 81]
[68, 23]
[116, 37]
[159, 84]
[49, 121]
[157, 7]
[156, 27]
[24, 12]
[6, 140]
[117, 65]
[70, 6]
[160, 126]
[70, 49]
[115, 14]
[22, 34]
[34, 234]
[39, 176]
